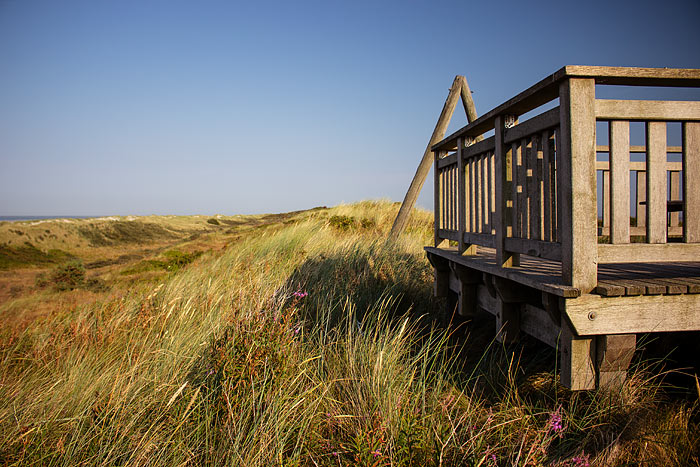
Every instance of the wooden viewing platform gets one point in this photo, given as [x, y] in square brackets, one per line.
[517, 229]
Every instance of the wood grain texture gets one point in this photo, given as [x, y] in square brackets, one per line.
[691, 182]
[620, 181]
[576, 184]
[593, 314]
[656, 182]
[609, 109]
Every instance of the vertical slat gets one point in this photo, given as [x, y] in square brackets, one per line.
[437, 200]
[656, 182]
[502, 163]
[546, 189]
[472, 204]
[641, 199]
[691, 182]
[477, 187]
[515, 156]
[606, 199]
[534, 190]
[453, 192]
[523, 195]
[492, 192]
[620, 181]
[485, 194]
[575, 176]
[555, 148]
[675, 187]
[467, 195]
[461, 191]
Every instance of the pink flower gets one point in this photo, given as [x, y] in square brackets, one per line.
[376, 453]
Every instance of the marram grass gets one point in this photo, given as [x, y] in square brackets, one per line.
[310, 345]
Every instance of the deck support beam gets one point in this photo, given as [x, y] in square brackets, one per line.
[577, 360]
[469, 280]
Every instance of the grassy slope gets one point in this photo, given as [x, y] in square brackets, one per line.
[229, 361]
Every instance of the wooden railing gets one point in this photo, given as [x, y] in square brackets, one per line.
[531, 187]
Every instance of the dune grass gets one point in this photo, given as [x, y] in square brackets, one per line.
[312, 343]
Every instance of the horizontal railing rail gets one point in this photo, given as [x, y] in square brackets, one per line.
[531, 187]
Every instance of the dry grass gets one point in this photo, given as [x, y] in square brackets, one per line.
[308, 344]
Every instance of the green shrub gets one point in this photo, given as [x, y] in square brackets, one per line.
[213, 221]
[68, 276]
[341, 222]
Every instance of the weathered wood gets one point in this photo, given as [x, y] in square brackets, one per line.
[691, 182]
[441, 269]
[642, 199]
[636, 252]
[620, 181]
[541, 275]
[613, 355]
[546, 188]
[675, 187]
[639, 166]
[576, 176]
[546, 120]
[640, 149]
[503, 164]
[609, 109]
[438, 200]
[461, 196]
[577, 360]
[656, 182]
[534, 188]
[606, 198]
[523, 206]
[593, 314]
[547, 90]
[538, 248]
[535, 322]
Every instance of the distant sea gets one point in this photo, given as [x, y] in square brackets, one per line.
[37, 218]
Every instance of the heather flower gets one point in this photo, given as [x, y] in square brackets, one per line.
[581, 461]
[555, 422]
[376, 453]
[299, 294]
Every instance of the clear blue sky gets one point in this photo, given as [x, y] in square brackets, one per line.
[186, 107]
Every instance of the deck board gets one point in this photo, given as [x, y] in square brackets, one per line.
[614, 279]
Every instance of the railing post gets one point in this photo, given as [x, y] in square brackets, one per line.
[502, 167]
[577, 184]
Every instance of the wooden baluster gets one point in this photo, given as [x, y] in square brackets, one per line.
[605, 192]
[546, 188]
[437, 200]
[620, 181]
[461, 192]
[641, 198]
[523, 198]
[691, 182]
[492, 191]
[515, 155]
[535, 190]
[656, 182]
[556, 210]
[675, 186]
[503, 170]
[472, 200]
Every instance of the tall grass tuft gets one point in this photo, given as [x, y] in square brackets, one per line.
[310, 345]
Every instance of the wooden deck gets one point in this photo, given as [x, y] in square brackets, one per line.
[574, 240]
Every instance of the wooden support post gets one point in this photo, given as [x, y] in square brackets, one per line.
[459, 88]
[441, 269]
[577, 360]
[509, 301]
[576, 184]
[613, 355]
[469, 279]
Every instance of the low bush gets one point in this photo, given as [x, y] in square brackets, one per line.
[213, 221]
[68, 276]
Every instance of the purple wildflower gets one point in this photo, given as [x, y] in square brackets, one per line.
[299, 294]
[555, 423]
[376, 453]
[581, 461]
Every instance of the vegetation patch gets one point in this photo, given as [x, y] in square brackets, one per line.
[213, 221]
[29, 255]
[172, 261]
[115, 233]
